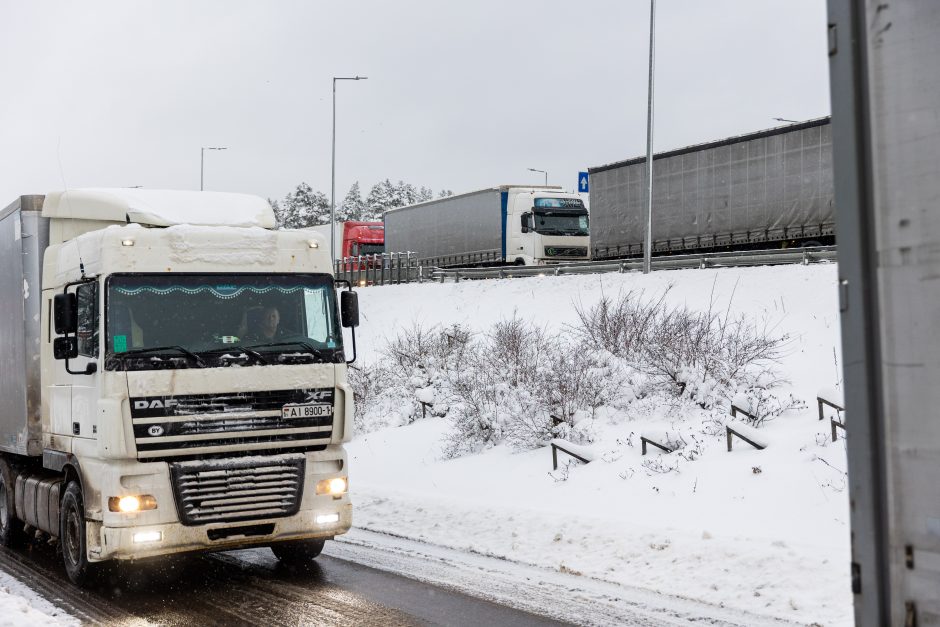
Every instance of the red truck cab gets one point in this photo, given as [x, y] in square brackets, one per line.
[362, 238]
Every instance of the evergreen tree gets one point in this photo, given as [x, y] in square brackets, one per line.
[353, 207]
[380, 199]
[302, 208]
[445, 193]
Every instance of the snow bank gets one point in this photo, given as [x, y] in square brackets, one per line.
[740, 530]
[21, 607]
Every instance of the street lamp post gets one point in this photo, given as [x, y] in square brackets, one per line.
[202, 162]
[648, 237]
[333, 168]
[543, 172]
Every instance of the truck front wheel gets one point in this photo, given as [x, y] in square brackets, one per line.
[72, 536]
[11, 528]
[297, 553]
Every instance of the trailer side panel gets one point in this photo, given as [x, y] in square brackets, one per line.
[24, 235]
[464, 225]
[770, 186]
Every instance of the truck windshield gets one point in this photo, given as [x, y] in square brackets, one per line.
[371, 249]
[197, 321]
[561, 223]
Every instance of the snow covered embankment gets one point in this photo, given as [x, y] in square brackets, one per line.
[761, 530]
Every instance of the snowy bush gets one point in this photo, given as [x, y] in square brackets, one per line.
[523, 385]
[704, 356]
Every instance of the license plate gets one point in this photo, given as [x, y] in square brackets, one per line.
[306, 411]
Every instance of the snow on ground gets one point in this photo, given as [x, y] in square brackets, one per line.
[761, 531]
[21, 607]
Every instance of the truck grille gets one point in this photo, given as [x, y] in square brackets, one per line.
[232, 490]
[176, 427]
[566, 251]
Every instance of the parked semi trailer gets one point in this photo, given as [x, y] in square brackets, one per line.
[770, 189]
[509, 224]
[168, 387]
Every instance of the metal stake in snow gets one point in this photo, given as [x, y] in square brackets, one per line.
[333, 168]
[648, 237]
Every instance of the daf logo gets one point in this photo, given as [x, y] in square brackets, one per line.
[155, 404]
[155, 430]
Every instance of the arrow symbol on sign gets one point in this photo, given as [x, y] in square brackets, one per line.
[583, 182]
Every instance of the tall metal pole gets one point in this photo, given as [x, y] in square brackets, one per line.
[648, 237]
[543, 172]
[333, 167]
[202, 161]
[333, 184]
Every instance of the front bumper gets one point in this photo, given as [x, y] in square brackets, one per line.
[107, 543]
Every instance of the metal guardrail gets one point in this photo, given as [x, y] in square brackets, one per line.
[381, 269]
[675, 262]
[395, 268]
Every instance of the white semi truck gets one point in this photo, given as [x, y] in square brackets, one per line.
[509, 224]
[172, 378]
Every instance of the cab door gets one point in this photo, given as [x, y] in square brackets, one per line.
[74, 392]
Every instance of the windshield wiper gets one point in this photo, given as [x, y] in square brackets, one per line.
[183, 351]
[236, 348]
[314, 351]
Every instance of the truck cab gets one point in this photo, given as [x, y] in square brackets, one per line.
[192, 389]
[545, 226]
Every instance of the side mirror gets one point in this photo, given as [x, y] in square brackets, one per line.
[65, 314]
[64, 347]
[349, 308]
[525, 222]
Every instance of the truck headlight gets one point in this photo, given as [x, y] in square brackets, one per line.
[131, 504]
[335, 486]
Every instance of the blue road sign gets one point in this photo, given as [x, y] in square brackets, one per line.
[583, 182]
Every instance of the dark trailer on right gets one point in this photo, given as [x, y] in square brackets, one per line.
[769, 189]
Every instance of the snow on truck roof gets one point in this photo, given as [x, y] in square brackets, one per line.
[159, 207]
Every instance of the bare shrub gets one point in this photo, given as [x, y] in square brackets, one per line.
[619, 326]
[763, 405]
[703, 355]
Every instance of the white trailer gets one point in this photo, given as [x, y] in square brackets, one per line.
[174, 378]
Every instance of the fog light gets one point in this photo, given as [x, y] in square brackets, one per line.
[313, 244]
[335, 486]
[127, 242]
[327, 519]
[362, 282]
[131, 504]
[148, 536]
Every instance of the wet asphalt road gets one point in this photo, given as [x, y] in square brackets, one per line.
[232, 589]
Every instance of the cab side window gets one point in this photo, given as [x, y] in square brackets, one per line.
[87, 304]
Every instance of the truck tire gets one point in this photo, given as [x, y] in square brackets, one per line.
[11, 528]
[72, 537]
[298, 553]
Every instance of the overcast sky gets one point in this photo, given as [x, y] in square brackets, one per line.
[460, 95]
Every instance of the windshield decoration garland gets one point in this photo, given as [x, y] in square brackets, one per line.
[219, 291]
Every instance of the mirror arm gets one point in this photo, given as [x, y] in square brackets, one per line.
[353, 330]
[90, 368]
